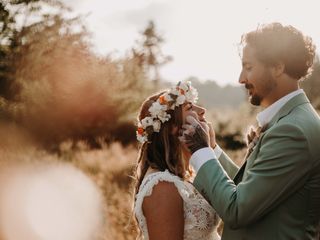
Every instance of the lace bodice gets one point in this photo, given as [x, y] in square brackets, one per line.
[200, 220]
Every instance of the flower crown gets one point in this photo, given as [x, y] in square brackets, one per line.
[169, 100]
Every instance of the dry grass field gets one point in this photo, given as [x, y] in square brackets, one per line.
[111, 169]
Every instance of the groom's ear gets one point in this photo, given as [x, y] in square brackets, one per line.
[278, 69]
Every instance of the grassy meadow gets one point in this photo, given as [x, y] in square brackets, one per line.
[110, 167]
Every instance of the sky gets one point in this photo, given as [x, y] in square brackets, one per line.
[201, 36]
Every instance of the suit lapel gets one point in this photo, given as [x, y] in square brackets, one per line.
[284, 111]
[288, 107]
[238, 177]
[248, 159]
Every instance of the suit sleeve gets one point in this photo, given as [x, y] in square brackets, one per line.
[228, 165]
[280, 168]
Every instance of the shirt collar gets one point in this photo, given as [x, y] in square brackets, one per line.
[267, 114]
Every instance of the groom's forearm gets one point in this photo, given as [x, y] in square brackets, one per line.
[215, 184]
[211, 174]
[219, 190]
[200, 157]
[228, 165]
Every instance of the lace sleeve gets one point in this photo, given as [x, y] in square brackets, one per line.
[200, 220]
[146, 190]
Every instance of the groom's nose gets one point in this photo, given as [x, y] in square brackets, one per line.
[242, 78]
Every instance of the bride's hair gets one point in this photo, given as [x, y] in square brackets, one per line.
[163, 149]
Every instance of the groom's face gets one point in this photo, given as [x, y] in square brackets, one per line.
[256, 77]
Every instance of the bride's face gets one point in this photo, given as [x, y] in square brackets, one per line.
[190, 108]
[197, 112]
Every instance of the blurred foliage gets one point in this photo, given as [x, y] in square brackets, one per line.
[312, 85]
[20, 22]
[212, 95]
[231, 125]
[55, 86]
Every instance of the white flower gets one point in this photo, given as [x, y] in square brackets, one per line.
[180, 100]
[156, 109]
[164, 117]
[192, 95]
[156, 125]
[174, 97]
[175, 91]
[141, 138]
[147, 121]
[167, 97]
[185, 86]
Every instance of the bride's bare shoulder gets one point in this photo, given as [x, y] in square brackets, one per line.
[164, 194]
[163, 211]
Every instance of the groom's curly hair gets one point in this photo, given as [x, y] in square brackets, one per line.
[276, 43]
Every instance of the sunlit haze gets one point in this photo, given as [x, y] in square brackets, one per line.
[201, 36]
[49, 202]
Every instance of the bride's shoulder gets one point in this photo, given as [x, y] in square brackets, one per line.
[161, 181]
[163, 192]
[153, 175]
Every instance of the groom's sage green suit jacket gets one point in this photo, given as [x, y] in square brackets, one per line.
[277, 196]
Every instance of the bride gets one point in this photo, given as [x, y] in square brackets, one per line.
[167, 206]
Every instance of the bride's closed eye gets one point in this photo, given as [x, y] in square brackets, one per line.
[189, 106]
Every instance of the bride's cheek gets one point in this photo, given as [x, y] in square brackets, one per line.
[193, 114]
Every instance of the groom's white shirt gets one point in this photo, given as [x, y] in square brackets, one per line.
[203, 155]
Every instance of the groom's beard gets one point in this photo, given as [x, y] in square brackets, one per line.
[254, 99]
[266, 85]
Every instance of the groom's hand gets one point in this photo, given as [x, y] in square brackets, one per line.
[212, 136]
[195, 134]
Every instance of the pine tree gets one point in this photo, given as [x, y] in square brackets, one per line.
[149, 54]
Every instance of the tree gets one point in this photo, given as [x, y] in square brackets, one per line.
[58, 88]
[148, 53]
[6, 47]
[21, 21]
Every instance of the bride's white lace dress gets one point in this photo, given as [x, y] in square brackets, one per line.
[200, 220]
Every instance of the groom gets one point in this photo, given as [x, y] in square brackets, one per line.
[275, 195]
